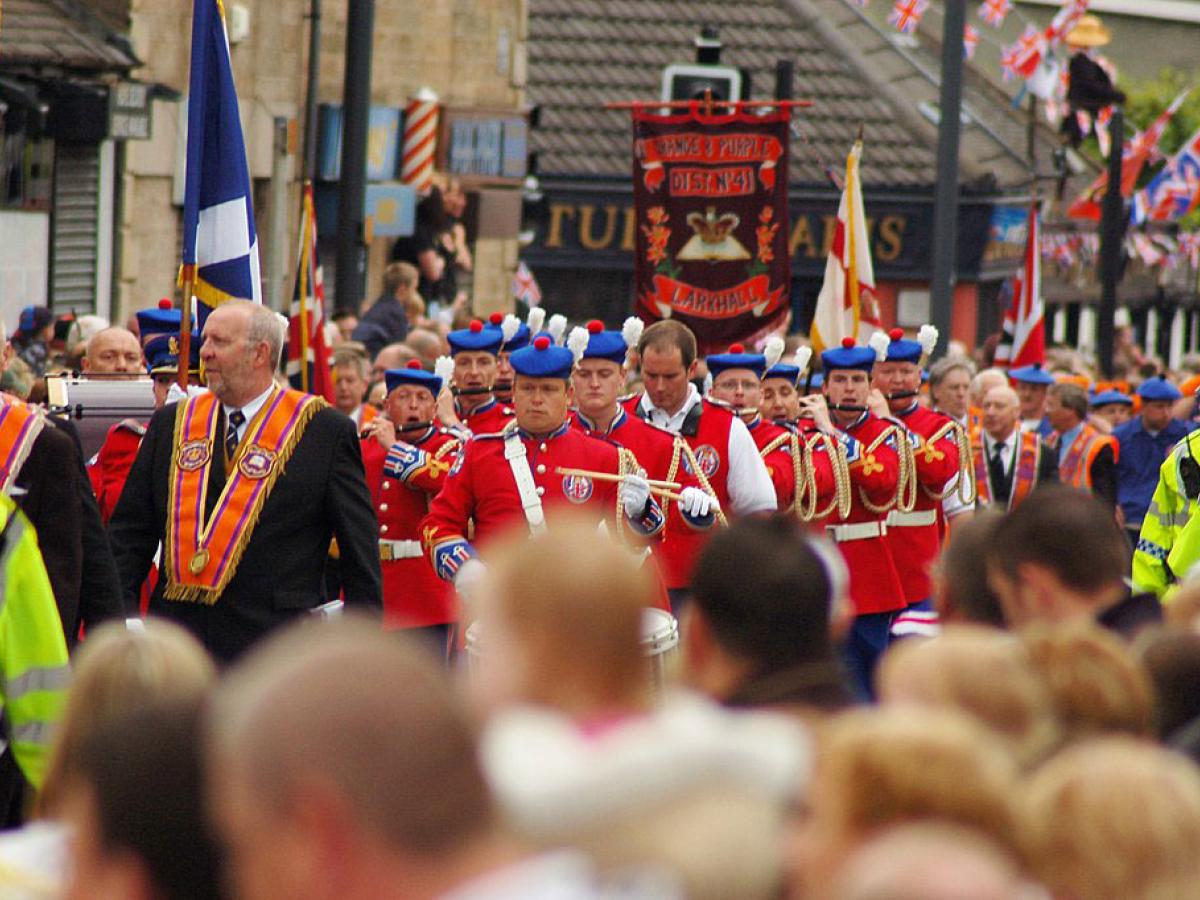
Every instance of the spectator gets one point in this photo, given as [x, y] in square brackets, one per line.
[350, 743]
[1145, 442]
[31, 340]
[420, 249]
[950, 387]
[1060, 557]
[387, 322]
[960, 583]
[346, 321]
[393, 356]
[760, 634]
[114, 351]
[1172, 658]
[1114, 818]
[427, 344]
[350, 374]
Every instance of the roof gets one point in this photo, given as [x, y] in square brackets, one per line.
[583, 53]
[60, 34]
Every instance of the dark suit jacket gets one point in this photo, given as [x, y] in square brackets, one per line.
[321, 494]
[56, 494]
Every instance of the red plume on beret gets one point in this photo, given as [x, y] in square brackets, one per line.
[541, 342]
[595, 326]
[476, 326]
[848, 342]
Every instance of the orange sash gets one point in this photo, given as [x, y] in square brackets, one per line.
[201, 557]
[20, 424]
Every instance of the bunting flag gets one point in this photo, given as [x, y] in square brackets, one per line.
[525, 287]
[1024, 335]
[1174, 191]
[970, 41]
[906, 14]
[846, 306]
[994, 11]
[220, 249]
[1136, 152]
[1021, 59]
[1065, 20]
[308, 354]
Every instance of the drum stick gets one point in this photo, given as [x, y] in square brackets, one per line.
[609, 476]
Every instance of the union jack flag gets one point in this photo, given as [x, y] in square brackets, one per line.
[525, 287]
[906, 14]
[1064, 20]
[970, 41]
[994, 11]
[1022, 58]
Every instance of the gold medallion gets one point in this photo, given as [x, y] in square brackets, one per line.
[198, 562]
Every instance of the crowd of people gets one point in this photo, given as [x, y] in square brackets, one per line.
[534, 610]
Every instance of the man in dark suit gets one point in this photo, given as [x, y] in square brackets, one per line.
[269, 475]
[1009, 462]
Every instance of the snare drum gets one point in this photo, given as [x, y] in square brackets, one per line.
[660, 642]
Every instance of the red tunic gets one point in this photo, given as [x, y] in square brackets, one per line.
[778, 461]
[110, 467]
[706, 432]
[874, 582]
[480, 487]
[490, 418]
[915, 536]
[413, 596]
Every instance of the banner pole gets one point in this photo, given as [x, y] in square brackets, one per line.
[185, 328]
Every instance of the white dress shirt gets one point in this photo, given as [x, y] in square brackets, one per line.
[1007, 450]
[749, 482]
[250, 410]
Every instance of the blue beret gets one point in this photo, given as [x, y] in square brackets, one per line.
[901, 349]
[603, 344]
[477, 338]
[163, 319]
[1033, 374]
[543, 359]
[818, 380]
[519, 339]
[1104, 398]
[162, 353]
[414, 375]
[786, 371]
[848, 356]
[737, 358]
[1158, 388]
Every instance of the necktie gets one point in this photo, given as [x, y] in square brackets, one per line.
[236, 418]
[1000, 485]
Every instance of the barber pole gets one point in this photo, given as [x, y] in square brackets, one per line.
[420, 137]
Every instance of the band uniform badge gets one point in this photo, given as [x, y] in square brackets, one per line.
[577, 488]
[708, 458]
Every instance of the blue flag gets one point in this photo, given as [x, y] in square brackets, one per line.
[219, 241]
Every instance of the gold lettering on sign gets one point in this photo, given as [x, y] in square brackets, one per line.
[630, 229]
[802, 237]
[890, 240]
[558, 213]
[586, 239]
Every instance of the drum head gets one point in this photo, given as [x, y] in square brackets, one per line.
[660, 632]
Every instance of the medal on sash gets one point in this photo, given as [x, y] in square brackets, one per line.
[201, 556]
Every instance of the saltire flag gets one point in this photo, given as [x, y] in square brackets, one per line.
[220, 248]
[906, 14]
[994, 11]
[1023, 341]
[525, 287]
[307, 353]
[1174, 191]
[1136, 152]
[970, 41]
[846, 306]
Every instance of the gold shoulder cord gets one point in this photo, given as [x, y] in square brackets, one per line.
[447, 448]
[774, 444]
[906, 494]
[705, 485]
[626, 464]
[841, 477]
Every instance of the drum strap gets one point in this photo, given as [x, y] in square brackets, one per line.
[531, 503]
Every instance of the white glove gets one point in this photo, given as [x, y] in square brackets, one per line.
[175, 393]
[634, 492]
[468, 578]
[695, 503]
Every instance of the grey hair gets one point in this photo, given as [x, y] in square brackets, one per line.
[947, 364]
[266, 325]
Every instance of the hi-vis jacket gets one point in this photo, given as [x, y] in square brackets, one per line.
[1169, 543]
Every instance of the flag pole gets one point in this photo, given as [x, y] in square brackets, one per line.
[1112, 229]
[188, 279]
[305, 262]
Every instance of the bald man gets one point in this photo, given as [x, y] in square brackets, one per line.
[342, 764]
[1009, 462]
[244, 486]
[114, 352]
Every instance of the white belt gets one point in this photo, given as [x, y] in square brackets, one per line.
[393, 550]
[896, 518]
[858, 532]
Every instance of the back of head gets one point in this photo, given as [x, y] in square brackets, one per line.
[142, 775]
[1114, 818]
[118, 670]
[960, 583]
[667, 334]
[1068, 532]
[766, 593]
[569, 601]
[1171, 657]
[369, 713]
[399, 274]
[1071, 396]
[981, 672]
[1095, 683]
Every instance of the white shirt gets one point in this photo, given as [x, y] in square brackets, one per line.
[749, 483]
[250, 410]
[1007, 448]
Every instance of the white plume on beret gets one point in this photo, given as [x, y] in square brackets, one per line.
[535, 320]
[802, 358]
[444, 369]
[773, 350]
[927, 337]
[508, 328]
[879, 343]
[577, 342]
[557, 327]
[631, 331]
